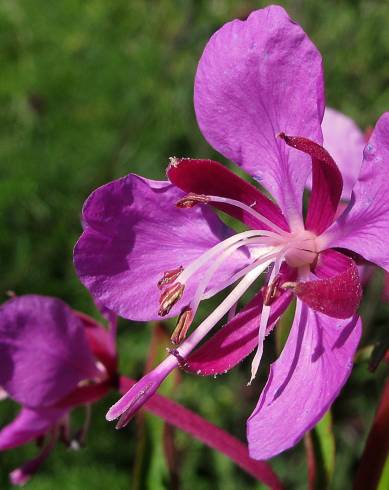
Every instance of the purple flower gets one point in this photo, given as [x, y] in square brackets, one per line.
[258, 82]
[53, 358]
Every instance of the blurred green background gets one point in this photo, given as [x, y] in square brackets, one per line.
[91, 90]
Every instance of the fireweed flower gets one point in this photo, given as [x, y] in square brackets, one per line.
[152, 249]
[52, 359]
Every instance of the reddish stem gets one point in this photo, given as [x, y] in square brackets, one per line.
[377, 447]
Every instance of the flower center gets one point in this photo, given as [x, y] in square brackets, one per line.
[302, 249]
[298, 249]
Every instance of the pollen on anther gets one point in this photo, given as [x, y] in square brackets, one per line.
[191, 200]
[169, 276]
[182, 327]
[169, 298]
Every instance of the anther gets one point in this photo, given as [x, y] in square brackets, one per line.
[182, 326]
[271, 291]
[169, 276]
[289, 285]
[170, 297]
[192, 199]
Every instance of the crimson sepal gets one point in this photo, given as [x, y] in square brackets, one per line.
[327, 184]
[337, 291]
[212, 178]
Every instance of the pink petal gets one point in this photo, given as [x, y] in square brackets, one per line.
[211, 435]
[364, 226]
[212, 178]
[43, 350]
[236, 340]
[28, 425]
[255, 79]
[303, 383]
[345, 142]
[327, 184]
[133, 234]
[338, 292]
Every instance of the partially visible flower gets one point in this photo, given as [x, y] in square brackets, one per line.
[258, 82]
[52, 359]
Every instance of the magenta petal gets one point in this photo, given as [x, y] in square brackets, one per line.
[338, 292]
[364, 226]
[312, 369]
[43, 350]
[255, 79]
[327, 184]
[28, 425]
[236, 340]
[133, 234]
[212, 178]
[345, 142]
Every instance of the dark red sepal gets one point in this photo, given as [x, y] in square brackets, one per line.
[337, 292]
[327, 184]
[207, 177]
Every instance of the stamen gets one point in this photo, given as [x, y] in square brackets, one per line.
[206, 326]
[232, 312]
[219, 247]
[265, 314]
[146, 387]
[250, 210]
[182, 327]
[191, 199]
[211, 292]
[170, 297]
[271, 291]
[169, 276]
[200, 292]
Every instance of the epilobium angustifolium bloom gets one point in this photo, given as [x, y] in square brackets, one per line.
[53, 359]
[259, 101]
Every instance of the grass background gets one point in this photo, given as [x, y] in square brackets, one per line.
[91, 90]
